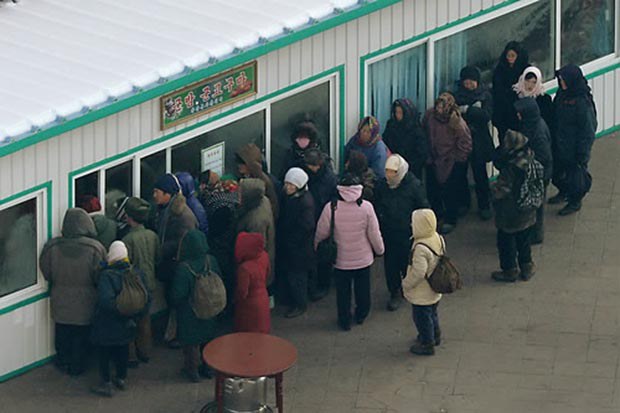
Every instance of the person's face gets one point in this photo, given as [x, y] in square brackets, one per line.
[390, 174]
[243, 169]
[398, 113]
[203, 186]
[563, 84]
[530, 84]
[511, 57]
[313, 168]
[470, 84]
[289, 188]
[160, 197]
[440, 107]
[365, 134]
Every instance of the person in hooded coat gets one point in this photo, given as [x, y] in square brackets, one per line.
[356, 164]
[512, 62]
[296, 232]
[476, 106]
[71, 263]
[255, 215]
[539, 141]
[358, 239]
[305, 136]
[405, 136]
[368, 141]
[192, 332]
[427, 247]
[397, 196]
[450, 146]
[514, 225]
[530, 85]
[252, 313]
[575, 130]
[188, 188]
[249, 165]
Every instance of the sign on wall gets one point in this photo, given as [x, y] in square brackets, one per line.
[213, 158]
[208, 95]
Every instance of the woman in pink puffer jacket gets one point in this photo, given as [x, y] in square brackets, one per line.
[358, 237]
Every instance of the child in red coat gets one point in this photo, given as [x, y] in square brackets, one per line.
[251, 298]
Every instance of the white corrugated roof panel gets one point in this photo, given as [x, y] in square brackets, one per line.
[62, 58]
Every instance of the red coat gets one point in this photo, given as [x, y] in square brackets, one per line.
[252, 312]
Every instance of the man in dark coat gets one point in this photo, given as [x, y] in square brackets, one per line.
[71, 265]
[539, 140]
[575, 129]
[397, 196]
[476, 106]
[188, 187]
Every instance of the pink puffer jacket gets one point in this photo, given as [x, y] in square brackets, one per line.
[356, 230]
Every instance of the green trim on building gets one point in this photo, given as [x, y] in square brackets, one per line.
[25, 302]
[25, 369]
[341, 78]
[197, 75]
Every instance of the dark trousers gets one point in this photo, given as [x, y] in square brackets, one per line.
[561, 172]
[514, 247]
[360, 280]
[119, 355]
[445, 198]
[297, 283]
[426, 321]
[141, 346]
[72, 344]
[538, 233]
[395, 263]
[481, 180]
[192, 358]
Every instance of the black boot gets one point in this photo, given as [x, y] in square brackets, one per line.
[507, 276]
[396, 299]
[570, 208]
[527, 271]
[557, 199]
[422, 349]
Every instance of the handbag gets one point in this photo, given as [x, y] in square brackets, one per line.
[445, 278]
[327, 250]
[579, 181]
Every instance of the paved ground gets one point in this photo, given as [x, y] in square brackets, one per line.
[548, 345]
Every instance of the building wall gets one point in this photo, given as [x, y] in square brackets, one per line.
[27, 330]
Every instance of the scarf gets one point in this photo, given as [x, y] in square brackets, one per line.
[446, 100]
[373, 123]
[520, 88]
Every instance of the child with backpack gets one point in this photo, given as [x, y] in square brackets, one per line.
[196, 321]
[251, 298]
[122, 298]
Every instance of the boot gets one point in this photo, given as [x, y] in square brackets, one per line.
[570, 208]
[193, 376]
[422, 349]
[557, 199]
[295, 312]
[344, 326]
[437, 337]
[507, 276]
[103, 389]
[395, 301]
[527, 271]
[120, 384]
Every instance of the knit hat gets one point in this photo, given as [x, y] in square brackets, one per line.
[88, 203]
[168, 183]
[117, 252]
[138, 209]
[297, 177]
[471, 73]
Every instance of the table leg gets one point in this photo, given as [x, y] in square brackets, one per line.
[219, 392]
[279, 398]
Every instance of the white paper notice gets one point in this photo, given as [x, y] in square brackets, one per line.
[213, 158]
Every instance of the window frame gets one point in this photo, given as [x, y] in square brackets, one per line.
[42, 194]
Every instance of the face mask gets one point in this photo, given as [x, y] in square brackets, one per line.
[303, 142]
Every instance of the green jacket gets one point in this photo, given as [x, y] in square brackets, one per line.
[143, 247]
[191, 329]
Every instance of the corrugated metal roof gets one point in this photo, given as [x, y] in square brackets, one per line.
[63, 58]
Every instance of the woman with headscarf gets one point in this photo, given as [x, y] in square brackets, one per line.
[530, 85]
[575, 115]
[404, 135]
[450, 146]
[513, 60]
[368, 141]
[427, 247]
[397, 196]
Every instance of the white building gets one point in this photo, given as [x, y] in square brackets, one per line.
[85, 86]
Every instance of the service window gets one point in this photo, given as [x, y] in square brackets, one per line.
[587, 30]
[85, 186]
[118, 185]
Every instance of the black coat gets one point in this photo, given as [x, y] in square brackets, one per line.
[575, 129]
[478, 114]
[504, 97]
[395, 206]
[534, 127]
[322, 186]
[296, 232]
[547, 111]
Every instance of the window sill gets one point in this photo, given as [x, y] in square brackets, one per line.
[23, 298]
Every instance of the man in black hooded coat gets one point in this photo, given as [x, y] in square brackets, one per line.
[305, 136]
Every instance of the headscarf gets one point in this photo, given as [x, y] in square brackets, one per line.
[410, 113]
[373, 123]
[450, 109]
[424, 229]
[520, 88]
[399, 164]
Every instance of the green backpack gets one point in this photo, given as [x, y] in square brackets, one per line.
[209, 296]
[134, 296]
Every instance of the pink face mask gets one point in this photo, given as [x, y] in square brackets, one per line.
[303, 142]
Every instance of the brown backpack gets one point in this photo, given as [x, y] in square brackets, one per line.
[445, 278]
[208, 297]
[133, 297]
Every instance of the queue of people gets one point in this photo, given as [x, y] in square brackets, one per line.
[261, 234]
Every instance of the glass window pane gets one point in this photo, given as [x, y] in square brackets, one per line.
[532, 26]
[399, 76]
[251, 129]
[587, 30]
[18, 247]
[312, 104]
[87, 185]
[151, 167]
[118, 185]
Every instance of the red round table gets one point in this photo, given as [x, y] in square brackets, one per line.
[249, 355]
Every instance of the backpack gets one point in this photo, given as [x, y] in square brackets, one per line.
[133, 296]
[445, 278]
[327, 250]
[209, 296]
[532, 191]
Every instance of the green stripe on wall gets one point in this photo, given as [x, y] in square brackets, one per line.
[24, 369]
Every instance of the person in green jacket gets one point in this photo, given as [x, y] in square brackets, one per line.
[143, 247]
[192, 332]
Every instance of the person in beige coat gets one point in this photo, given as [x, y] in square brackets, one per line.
[427, 247]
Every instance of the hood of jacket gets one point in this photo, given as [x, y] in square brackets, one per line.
[188, 186]
[307, 128]
[530, 112]
[252, 193]
[177, 203]
[424, 229]
[251, 155]
[248, 246]
[411, 116]
[194, 246]
[350, 193]
[77, 223]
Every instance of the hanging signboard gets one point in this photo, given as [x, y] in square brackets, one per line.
[213, 158]
[208, 95]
